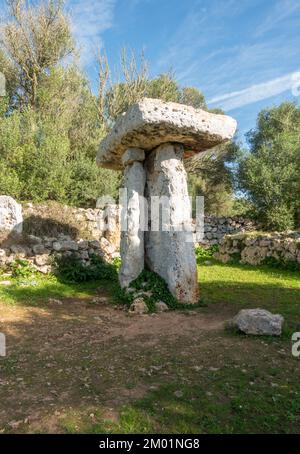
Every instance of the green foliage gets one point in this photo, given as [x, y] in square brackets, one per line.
[150, 281]
[211, 176]
[282, 263]
[71, 269]
[191, 96]
[235, 257]
[242, 207]
[205, 253]
[51, 123]
[22, 269]
[270, 172]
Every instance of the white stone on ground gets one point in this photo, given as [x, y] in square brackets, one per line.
[258, 322]
[160, 306]
[138, 307]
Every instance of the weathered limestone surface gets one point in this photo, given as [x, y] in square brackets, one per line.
[151, 122]
[132, 239]
[11, 218]
[258, 322]
[169, 252]
[254, 248]
[131, 155]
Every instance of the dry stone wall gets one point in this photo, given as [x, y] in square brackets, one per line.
[40, 252]
[54, 219]
[51, 229]
[254, 248]
[215, 228]
[55, 230]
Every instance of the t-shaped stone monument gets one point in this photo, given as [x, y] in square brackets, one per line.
[149, 142]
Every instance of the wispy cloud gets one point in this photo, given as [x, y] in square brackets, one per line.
[90, 19]
[186, 51]
[282, 10]
[258, 92]
[221, 49]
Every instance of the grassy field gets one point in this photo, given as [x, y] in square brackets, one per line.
[83, 365]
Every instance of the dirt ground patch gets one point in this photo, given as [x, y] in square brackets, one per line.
[73, 360]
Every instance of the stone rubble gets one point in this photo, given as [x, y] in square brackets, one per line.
[160, 306]
[216, 228]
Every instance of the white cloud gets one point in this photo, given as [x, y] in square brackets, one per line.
[258, 92]
[185, 50]
[204, 50]
[90, 19]
[282, 10]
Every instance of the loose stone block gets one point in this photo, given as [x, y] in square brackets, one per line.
[170, 250]
[132, 239]
[258, 322]
[151, 122]
[11, 219]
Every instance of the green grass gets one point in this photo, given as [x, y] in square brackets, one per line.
[244, 392]
[36, 290]
[198, 382]
[247, 286]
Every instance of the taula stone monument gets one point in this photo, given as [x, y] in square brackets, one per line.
[149, 143]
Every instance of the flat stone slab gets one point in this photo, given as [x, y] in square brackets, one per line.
[152, 122]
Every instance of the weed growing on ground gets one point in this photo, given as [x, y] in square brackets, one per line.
[205, 253]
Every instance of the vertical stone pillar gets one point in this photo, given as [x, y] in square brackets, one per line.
[169, 251]
[132, 237]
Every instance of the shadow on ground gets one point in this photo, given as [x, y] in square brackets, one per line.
[84, 367]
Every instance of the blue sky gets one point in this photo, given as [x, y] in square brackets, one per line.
[243, 54]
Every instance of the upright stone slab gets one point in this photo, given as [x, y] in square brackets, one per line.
[169, 247]
[11, 219]
[132, 238]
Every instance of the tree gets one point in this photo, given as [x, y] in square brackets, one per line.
[212, 176]
[192, 97]
[35, 39]
[269, 173]
[49, 124]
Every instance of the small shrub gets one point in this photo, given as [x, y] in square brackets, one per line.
[22, 269]
[282, 263]
[235, 257]
[205, 253]
[150, 281]
[72, 269]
